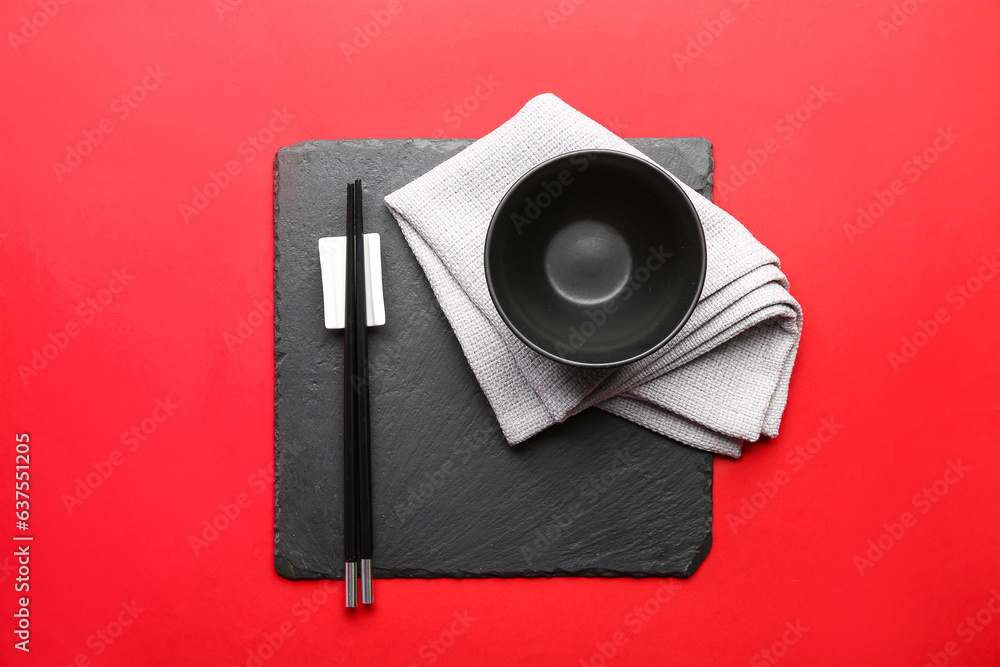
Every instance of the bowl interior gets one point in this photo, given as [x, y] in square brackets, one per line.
[595, 258]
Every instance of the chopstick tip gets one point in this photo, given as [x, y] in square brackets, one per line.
[366, 581]
[351, 583]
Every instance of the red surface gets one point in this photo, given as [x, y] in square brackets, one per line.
[176, 330]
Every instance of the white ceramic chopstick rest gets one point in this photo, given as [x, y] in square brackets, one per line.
[333, 266]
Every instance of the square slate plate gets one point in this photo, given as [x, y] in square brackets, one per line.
[594, 496]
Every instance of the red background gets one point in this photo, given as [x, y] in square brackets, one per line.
[169, 334]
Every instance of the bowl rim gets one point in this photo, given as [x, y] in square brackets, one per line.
[647, 163]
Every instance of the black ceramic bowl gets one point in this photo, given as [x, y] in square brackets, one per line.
[595, 258]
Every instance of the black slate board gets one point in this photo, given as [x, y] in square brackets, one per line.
[594, 496]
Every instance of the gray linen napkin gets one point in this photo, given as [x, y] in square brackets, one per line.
[721, 381]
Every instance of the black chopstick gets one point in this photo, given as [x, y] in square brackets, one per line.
[363, 415]
[350, 412]
[358, 534]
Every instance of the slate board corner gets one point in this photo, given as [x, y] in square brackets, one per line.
[699, 557]
[287, 570]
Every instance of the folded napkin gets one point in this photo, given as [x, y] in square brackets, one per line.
[721, 381]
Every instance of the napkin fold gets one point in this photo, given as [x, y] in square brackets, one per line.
[721, 381]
